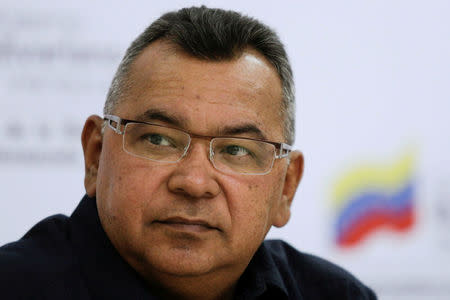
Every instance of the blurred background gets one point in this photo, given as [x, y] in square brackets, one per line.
[373, 105]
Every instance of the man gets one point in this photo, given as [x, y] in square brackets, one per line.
[185, 175]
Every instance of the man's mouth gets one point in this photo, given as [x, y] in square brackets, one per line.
[183, 224]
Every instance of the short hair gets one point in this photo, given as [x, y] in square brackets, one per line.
[212, 34]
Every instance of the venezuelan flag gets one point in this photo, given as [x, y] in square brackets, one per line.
[372, 197]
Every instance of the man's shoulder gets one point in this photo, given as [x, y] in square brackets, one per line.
[300, 264]
[316, 277]
[46, 238]
[42, 255]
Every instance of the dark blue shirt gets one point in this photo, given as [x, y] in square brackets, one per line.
[72, 258]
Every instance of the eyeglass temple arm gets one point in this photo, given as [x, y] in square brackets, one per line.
[284, 150]
[117, 120]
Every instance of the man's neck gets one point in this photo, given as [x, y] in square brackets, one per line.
[205, 287]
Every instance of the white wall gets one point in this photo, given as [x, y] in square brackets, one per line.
[372, 83]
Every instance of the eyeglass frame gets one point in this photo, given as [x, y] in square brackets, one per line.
[284, 149]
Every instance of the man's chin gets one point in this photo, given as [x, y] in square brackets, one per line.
[182, 262]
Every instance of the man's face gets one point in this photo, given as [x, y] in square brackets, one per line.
[187, 218]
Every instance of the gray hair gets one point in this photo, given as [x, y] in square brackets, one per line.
[212, 34]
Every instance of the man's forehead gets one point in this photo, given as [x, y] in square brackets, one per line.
[164, 78]
[161, 64]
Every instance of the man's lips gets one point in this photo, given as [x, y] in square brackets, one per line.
[180, 223]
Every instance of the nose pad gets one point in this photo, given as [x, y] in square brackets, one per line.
[211, 153]
[186, 150]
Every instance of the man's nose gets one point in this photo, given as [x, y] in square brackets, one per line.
[194, 175]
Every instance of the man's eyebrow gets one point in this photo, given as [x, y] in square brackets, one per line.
[247, 128]
[153, 114]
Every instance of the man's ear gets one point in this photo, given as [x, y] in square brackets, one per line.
[91, 139]
[293, 176]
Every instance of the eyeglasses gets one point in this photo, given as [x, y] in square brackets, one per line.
[169, 145]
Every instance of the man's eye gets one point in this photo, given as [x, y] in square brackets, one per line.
[236, 150]
[157, 139]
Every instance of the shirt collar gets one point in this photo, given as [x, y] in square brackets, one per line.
[107, 275]
[262, 277]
